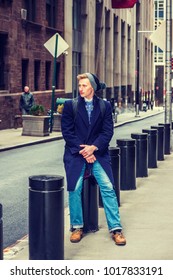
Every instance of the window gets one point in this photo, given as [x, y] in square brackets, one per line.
[30, 6]
[76, 68]
[25, 63]
[47, 74]
[77, 15]
[36, 74]
[51, 13]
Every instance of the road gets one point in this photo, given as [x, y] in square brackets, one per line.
[18, 164]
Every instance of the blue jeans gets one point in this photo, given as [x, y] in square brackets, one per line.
[108, 197]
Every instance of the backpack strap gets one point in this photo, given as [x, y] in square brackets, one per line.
[102, 106]
[74, 104]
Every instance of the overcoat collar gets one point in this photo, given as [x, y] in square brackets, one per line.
[83, 112]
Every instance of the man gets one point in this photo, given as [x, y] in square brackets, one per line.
[87, 135]
[26, 101]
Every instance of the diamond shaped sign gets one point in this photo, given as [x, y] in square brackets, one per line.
[62, 46]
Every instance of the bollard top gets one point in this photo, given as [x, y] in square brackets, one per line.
[166, 125]
[46, 182]
[139, 135]
[126, 142]
[150, 131]
[114, 151]
[158, 127]
[0, 210]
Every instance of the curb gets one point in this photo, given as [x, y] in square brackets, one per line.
[61, 137]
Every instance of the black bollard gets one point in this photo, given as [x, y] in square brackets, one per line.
[152, 147]
[141, 154]
[46, 217]
[1, 233]
[160, 141]
[114, 153]
[127, 164]
[90, 204]
[167, 139]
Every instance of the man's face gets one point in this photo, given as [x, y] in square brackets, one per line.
[85, 88]
[26, 89]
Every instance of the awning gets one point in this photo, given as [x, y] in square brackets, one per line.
[119, 4]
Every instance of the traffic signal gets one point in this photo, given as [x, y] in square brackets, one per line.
[119, 4]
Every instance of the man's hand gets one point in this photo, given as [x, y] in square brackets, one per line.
[87, 150]
[91, 159]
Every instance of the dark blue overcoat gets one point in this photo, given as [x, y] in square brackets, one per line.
[76, 130]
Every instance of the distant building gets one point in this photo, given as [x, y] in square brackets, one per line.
[105, 41]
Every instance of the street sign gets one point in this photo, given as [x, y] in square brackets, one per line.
[62, 46]
[56, 46]
[158, 37]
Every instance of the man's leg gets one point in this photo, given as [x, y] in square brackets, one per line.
[110, 203]
[76, 213]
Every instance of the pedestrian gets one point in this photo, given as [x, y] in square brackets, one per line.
[26, 101]
[87, 135]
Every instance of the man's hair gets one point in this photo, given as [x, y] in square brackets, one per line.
[82, 76]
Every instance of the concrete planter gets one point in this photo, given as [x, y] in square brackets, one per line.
[35, 125]
[57, 122]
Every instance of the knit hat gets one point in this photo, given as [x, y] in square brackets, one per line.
[95, 83]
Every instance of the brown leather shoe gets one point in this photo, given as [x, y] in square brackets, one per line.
[119, 238]
[76, 235]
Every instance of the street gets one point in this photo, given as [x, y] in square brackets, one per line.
[18, 164]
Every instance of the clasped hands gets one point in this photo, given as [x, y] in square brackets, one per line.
[88, 152]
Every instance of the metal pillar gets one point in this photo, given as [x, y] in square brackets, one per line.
[168, 55]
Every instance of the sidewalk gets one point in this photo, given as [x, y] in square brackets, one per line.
[12, 138]
[146, 213]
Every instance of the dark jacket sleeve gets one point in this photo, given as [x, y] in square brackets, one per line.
[68, 128]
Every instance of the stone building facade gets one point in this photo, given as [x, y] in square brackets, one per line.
[106, 41]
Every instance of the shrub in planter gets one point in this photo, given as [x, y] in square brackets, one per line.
[37, 123]
[37, 110]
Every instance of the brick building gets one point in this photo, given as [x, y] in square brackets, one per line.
[25, 25]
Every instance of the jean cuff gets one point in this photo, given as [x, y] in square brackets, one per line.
[116, 228]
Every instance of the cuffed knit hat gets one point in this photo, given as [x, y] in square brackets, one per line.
[95, 83]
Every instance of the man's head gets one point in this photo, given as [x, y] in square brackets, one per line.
[88, 84]
[26, 89]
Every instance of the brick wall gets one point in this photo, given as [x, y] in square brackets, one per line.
[24, 40]
[9, 105]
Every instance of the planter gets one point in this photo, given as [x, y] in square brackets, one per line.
[35, 125]
[57, 122]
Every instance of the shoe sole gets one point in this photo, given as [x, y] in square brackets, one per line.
[75, 241]
[120, 244]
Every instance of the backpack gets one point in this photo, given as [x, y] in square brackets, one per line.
[101, 103]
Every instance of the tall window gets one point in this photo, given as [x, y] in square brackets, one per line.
[36, 74]
[76, 70]
[51, 13]
[47, 74]
[159, 17]
[25, 63]
[30, 6]
[77, 15]
[76, 67]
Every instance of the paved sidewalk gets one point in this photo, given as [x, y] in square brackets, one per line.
[146, 214]
[13, 138]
